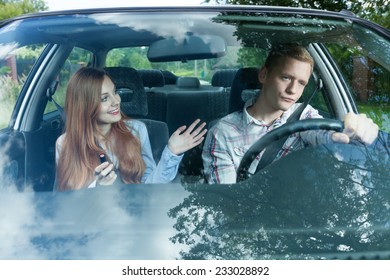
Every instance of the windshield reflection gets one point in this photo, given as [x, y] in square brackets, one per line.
[176, 26]
[308, 205]
[105, 223]
[326, 202]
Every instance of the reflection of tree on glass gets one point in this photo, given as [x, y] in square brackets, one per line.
[13, 72]
[323, 203]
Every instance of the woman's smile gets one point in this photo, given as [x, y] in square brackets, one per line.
[114, 112]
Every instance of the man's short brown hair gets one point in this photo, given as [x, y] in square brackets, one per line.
[282, 51]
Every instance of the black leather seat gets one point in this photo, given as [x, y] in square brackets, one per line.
[135, 105]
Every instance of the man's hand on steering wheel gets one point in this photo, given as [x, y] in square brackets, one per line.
[358, 127]
[280, 132]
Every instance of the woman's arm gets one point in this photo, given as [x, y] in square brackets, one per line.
[168, 165]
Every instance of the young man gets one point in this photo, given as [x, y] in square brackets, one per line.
[284, 76]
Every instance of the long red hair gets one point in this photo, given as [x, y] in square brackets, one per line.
[80, 150]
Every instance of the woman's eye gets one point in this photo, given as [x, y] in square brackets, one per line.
[104, 99]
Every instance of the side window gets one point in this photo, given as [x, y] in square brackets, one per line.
[78, 58]
[369, 82]
[318, 101]
[14, 69]
[371, 86]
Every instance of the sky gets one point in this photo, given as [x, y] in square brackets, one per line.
[55, 5]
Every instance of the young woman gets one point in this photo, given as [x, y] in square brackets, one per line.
[95, 126]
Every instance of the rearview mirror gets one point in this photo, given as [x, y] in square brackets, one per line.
[190, 48]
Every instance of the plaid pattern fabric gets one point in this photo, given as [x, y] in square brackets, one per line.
[228, 141]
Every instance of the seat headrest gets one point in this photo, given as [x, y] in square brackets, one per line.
[223, 77]
[169, 77]
[152, 77]
[188, 82]
[245, 78]
[131, 89]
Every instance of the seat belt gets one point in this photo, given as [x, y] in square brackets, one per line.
[49, 94]
[272, 150]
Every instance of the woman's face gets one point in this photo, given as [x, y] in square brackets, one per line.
[110, 104]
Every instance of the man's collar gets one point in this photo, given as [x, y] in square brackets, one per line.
[248, 119]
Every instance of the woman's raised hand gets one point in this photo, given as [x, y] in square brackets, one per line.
[184, 139]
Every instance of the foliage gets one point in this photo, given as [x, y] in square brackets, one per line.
[380, 114]
[128, 57]
[13, 8]
[30, 52]
[9, 91]
[375, 101]
[374, 10]
[249, 57]
[377, 11]
[323, 207]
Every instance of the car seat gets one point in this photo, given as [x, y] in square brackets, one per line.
[135, 105]
[245, 86]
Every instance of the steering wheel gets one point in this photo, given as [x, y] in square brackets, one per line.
[282, 131]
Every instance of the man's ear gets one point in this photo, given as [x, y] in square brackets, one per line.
[262, 75]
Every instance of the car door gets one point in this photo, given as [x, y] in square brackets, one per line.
[28, 139]
[21, 138]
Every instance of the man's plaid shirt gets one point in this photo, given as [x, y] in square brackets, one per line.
[229, 139]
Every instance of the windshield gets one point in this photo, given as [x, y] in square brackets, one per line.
[156, 139]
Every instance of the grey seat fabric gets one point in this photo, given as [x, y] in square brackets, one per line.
[169, 77]
[131, 89]
[152, 78]
[245, 85]
[158, 136]
[184, 105]
[223, 78]
[134, 104]
[244, 80]
[154, 81]
[188, 82]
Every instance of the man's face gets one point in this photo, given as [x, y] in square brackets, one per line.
[284, 83]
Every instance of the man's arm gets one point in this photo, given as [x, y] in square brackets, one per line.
[358, 127]
[217, 162]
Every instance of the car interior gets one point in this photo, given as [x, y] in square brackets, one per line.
[162, 107]
[165, 107]
[171, 66]
[161, 99]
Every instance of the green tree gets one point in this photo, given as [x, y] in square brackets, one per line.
[294, 215]
[12, 8]
[377, 11]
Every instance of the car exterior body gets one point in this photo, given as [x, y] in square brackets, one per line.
[317, 203]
